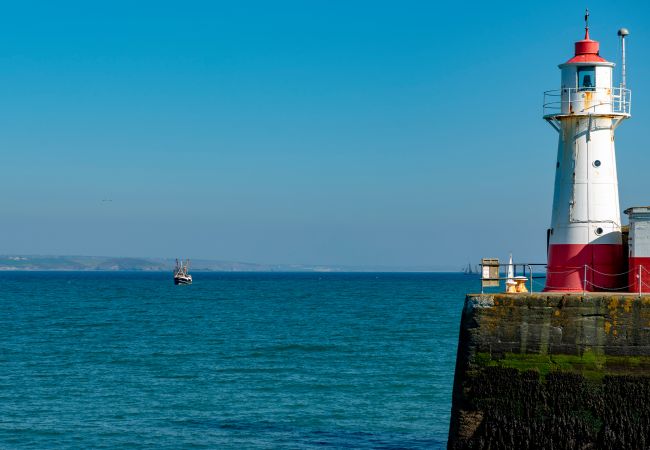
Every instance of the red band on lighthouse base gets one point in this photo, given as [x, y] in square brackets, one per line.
[604, 263]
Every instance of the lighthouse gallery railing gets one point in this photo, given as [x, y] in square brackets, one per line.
[616, 100]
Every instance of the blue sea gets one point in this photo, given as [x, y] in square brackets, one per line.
[236, 360]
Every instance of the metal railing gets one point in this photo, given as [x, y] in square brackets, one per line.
[519, 270]
[641, 283]
[615, 100]
[587, 282]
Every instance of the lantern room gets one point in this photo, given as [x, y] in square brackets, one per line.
[587, 81]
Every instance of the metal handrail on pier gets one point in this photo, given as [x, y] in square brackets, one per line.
[523, 269]
[526, 270]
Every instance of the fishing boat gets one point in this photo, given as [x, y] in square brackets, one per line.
[181, 275]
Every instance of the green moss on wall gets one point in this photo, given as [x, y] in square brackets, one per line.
[590, 365]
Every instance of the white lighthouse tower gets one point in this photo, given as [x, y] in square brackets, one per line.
[585, 250]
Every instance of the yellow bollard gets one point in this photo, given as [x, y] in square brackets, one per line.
[520, 284]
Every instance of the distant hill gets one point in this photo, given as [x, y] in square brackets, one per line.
[38, 262]
[106, 263]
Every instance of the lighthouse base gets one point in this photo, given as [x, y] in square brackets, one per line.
[586, 267]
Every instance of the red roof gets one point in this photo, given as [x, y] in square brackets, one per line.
[586, 51]
[586, 59]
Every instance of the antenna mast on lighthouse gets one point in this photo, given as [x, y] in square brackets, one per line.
[623, 32]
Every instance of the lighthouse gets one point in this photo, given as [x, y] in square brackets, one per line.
[585, 249]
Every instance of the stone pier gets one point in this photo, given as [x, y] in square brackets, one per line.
[552, 371]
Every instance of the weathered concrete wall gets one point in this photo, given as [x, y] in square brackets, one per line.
[560, 371]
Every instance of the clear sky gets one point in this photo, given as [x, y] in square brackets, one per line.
[398, 134]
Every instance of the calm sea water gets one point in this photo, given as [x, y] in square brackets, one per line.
[105, 360]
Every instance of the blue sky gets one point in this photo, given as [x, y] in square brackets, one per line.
[399, 134]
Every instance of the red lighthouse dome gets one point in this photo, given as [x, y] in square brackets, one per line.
[587, 51]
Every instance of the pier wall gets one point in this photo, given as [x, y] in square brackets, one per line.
[552, 370]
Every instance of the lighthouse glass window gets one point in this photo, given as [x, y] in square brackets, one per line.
[587, 78]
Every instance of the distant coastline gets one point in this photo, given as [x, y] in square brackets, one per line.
[34, 263]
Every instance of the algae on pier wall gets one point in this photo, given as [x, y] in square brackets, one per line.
[552, 371]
